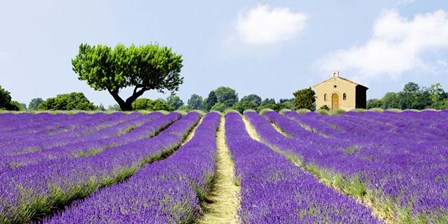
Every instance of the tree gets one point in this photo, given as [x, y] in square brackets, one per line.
[149, 67]
[114, 107]
[69, 101]
[304, 98]
[391, 100]
[142, 104]
[151, 105]
[245, 105]
[5, 101]
[210, 101]
[226, 96]
[160, 104]
[251, 101]
[252, 98]
[174, 101]
[34, 103]
[267, 101]
[374, 103]
[408, 97]
[221, 107]
[195, 102]
[439, 98]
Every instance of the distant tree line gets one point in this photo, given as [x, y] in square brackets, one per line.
[413, 97]
[6, 102]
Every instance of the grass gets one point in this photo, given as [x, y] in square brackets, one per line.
[353, 149]
[222, 203]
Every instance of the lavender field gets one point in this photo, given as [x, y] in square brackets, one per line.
[354, 167]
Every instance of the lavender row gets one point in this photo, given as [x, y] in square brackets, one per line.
[409, 178]
[273, 190]
[47, 124]
[95, 143]
[162, 192]
[40, 187]
[31, 143]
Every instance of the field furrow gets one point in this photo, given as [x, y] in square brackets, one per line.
[36, 192]
[273, 190]
[222, 203]
[166, 191]
[403, 181]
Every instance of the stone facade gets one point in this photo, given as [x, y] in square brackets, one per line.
[340, 93]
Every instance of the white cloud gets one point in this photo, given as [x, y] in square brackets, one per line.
[264, 25]
[396, 46]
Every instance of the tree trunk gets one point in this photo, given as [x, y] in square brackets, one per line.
[126, 106]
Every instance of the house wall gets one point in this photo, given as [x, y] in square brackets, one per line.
[361, 97]
[342, 86]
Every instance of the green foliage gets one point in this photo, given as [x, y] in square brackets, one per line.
[174, 101]
[210, 101]
[353, 149]
[184, 108]
[253, 98]
[226, 96]
[151, 105]
[413, 97]
[391, 100]
[304, 98]
[374, 103]
[5, 101]
[34, 103]
[18, 106]
[251, 101]
[245, 105]
[276, 107]
[149, 67]
[114, 107]
[69, 101]
[221, 107]
[267, 101]
[195, 102]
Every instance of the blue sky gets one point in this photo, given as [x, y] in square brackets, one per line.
[270, 48]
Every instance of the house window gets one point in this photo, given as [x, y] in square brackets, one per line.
[344, 96]
[325, 97]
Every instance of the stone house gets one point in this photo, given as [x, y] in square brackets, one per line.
[340, 93]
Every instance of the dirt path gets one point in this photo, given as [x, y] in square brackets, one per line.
[251, 130]
[222, 203]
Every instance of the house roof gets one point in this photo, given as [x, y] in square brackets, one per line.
[339, 77]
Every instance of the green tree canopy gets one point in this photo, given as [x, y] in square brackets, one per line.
[151, 105]
[251, 101]
[304, 98]
[221, 107]
[210, 101]
[226, 96]
[69, 101]
[34, 103]
[254, 98]
[195, 102]
[374, 103]
[267, 101]
[174, 101]
[5, 101]
[144, 68]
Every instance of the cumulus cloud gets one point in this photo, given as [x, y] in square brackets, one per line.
[396, 46]
[264, 25]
